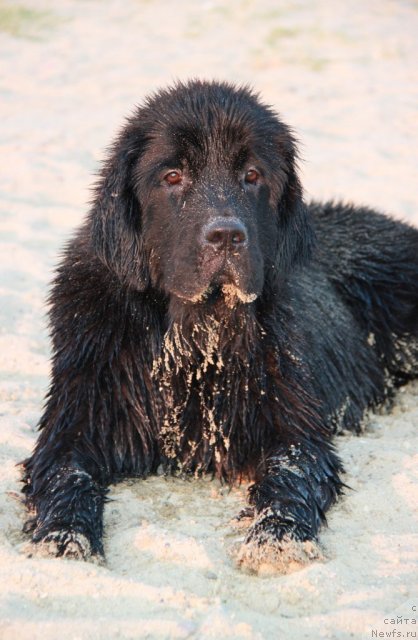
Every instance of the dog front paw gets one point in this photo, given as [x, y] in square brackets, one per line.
[273, 545]
[63, 543]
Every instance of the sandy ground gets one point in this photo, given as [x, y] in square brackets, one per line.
[344, 74]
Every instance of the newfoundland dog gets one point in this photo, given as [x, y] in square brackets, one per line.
[206, 319]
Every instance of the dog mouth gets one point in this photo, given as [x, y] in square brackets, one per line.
[233, 294]
[224, 289]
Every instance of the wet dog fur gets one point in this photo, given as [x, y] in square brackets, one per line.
[206, 319]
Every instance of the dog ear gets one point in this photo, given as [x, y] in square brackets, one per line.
[296, 238]
[116, 225]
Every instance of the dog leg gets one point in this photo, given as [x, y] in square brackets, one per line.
[68, 512]
[289, 506]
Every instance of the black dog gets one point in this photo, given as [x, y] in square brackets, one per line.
[205, 319]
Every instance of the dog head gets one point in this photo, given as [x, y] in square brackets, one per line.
[200, 197]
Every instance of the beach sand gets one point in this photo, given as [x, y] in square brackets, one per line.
[344, 76]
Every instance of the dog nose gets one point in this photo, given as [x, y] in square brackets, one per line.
[225, 233]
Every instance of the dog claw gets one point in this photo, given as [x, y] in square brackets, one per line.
[66, 544]
[276, 556]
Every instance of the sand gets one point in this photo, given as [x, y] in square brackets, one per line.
[344, 75]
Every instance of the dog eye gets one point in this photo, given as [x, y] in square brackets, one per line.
[173, 177]
[252, 176]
